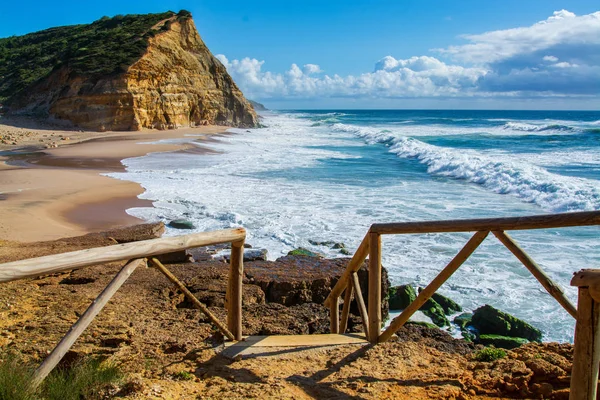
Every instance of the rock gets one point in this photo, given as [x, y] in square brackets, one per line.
[176, 257]
[181, 224]
[504, 342]
[463, 320]
[251, 255]
[345, 252]
[133, 233]
[401, 296]
[293, 280]
[489, 320]
[301, 251]
[448, 305]
[422, 323]
[434, 311]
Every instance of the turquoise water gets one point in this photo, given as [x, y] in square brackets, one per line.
[328, 175]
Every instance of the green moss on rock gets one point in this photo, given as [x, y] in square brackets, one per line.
[491, 321]
[449, 305]
[435, 311]
[401, 296]
[504, 342]
[301, 251]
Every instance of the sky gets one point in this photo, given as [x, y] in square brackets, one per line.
[464, 54]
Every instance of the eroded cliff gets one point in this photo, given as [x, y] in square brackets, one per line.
[174, 81]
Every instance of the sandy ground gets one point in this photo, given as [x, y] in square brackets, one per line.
[48, 193]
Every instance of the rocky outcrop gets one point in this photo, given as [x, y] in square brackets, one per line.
[175, 82]
[299, 279]
[491, 321]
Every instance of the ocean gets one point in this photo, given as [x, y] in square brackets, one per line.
[316, 176]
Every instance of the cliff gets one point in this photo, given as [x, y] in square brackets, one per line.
[122, 73]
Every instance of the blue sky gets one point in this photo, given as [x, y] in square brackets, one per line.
[381, 54]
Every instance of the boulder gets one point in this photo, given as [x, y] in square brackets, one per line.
[448, 305]
[463, 320]
[504, 342]
[301, 251]
[176, 257]
[491, 321]
[181, 224]
[251, 255]
[434, 311]
[401, 296]
[293, 280]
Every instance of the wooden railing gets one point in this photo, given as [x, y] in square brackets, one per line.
[587, 331]
[137, 252]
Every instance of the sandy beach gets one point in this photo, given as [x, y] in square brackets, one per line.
[49, 192]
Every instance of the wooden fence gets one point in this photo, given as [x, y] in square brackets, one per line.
[137, 252]
[584, 377]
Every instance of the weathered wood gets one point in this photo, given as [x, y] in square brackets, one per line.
[34, 267]
[435, 284]
[586, 277]
[551, 287]
[354, 265]
[585, 218]
[586, 354]
[374, 305]
[334, 316]
[199, 305]
[236, 275]
[83, 322]
[362, 309]
[346, 308]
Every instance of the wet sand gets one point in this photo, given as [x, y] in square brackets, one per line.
[59, 192]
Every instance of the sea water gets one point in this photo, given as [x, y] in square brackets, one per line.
[328, 175]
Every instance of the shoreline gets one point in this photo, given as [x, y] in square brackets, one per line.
[52, 193]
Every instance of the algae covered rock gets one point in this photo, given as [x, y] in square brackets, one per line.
[301, 251]
[401, 296]
[448, 305]
[463, 320]
[491, 321]
[181, 224]
[433, 310]
[504, 342]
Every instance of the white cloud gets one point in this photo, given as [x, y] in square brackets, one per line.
[415, 77]
[562, 29]
[550, 58]
[557, 56]
[311, 69]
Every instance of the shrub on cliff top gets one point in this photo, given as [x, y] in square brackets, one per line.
[103, 47]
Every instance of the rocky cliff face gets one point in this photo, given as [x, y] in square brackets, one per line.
[176, 82]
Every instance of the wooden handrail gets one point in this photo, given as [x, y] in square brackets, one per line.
[34, 267]
[354, 265]
[585, 218]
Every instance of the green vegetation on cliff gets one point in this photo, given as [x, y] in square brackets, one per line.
[106, 46]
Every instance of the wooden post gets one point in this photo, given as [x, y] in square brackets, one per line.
[192, 298]
[84, 321]
[361, 303]
[346, 308]
[539, 274]
[334, 315]
[435, 284]
[586, 354]
[236, 275]
[374, 286]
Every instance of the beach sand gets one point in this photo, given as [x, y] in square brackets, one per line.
[51, 193]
